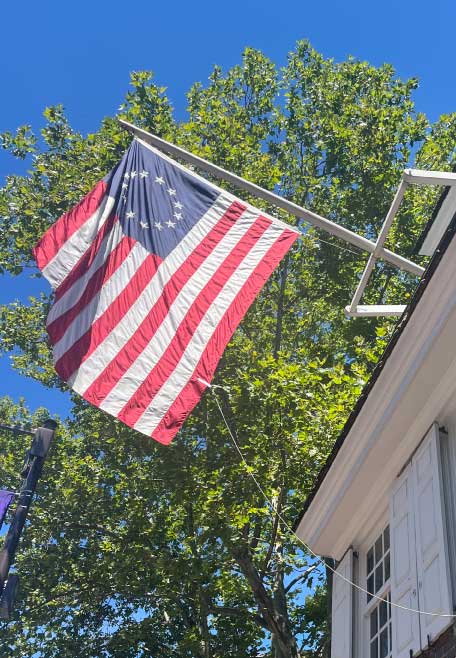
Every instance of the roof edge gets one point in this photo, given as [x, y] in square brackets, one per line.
[432, 266]
[430, 223]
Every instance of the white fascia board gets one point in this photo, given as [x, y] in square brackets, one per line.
[440, 224]
[416, 380]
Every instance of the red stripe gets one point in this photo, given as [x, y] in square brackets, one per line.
[162, 370]
[56, 236]
[192, 392]
[106, 381]
[59, 326]
[86, 344]
[87, 258]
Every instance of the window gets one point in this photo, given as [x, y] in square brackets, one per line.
[378, 613]
[378, 564]
[380, 629]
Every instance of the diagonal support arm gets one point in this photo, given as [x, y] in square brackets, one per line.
[375, 255]
[409, 177]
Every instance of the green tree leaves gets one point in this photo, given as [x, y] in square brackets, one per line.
[134, 549]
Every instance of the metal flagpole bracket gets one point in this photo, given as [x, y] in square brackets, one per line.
[374, 310]
[376, 249]
[409, 177]
[279, 201]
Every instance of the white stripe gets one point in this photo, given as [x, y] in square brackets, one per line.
[115, 341]
[77, 244]
[209, 323]
[98, 305]
[75, 292]
[127, 386]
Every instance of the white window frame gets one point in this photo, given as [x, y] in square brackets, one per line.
[382, 593]
[364, 607]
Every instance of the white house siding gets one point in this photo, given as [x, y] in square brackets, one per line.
[442, 641]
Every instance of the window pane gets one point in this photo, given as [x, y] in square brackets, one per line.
[383, 613]
[373, 623]
[387, 566]
[370, 586]
[384, 643]
[378, 549]
[374, 649]
[370, 560]
[390, 639]
[386, 538]
[378, 577]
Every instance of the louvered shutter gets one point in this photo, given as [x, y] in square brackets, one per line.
[404, 586]
[342, 609]
[432, 550]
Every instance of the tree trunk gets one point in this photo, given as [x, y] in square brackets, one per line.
[280, 307]
[281, 612]
[204, 628]
[283, 642]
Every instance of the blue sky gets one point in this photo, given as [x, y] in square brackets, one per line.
[80, 54]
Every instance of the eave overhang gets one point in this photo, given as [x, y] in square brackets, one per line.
[416, 374]
[439, 224]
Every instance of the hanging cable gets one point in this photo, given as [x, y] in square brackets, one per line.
[290, 529]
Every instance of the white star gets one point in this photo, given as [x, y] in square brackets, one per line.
[178, 205]
[130, 214]
[170, 224]
[124, 185]
[178, 215]
[171, 192]
[133, 174]
[158, 226]
[159, 180]
[127, 175]
[144, 174]
[124, 198]
[144, 224]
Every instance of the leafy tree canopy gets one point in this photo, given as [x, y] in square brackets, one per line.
[135, 549]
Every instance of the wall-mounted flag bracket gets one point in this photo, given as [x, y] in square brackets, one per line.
[409, 177]
[375, 249]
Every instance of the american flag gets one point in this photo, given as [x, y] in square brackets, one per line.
[153, 270]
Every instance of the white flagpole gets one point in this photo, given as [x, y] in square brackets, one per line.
[311, 217]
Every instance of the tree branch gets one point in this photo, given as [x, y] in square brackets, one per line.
[237, 612]
[280, 304]
[256, 535]
[95, 527]
[298, 578]
[263, 599]
[275, 529]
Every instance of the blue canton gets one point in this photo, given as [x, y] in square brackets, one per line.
[157, 203]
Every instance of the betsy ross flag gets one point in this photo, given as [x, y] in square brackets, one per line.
[153, 271]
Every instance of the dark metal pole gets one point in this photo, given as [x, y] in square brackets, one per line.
[39, 449]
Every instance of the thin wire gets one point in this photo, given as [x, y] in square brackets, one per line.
[292, 532]
[338, 246]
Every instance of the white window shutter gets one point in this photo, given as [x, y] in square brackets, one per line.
[342, 608]
[404, 586]
[432, 549]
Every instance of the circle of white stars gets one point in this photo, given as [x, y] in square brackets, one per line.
[159, 226]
